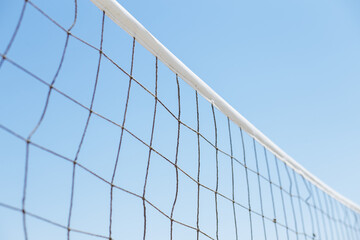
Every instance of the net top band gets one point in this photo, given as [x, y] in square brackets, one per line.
[126, 21]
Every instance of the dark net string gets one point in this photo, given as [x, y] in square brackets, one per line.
[345, 216]
[176, 160]
[121, 138]
[25, 187]
[217, 172]
[323, 214]
[282, 198]
[247, 184]
[330, 220]
[13, 36]
[272, 193]
[292, 200]
[351, 228]
[300, 205]
[337, 223]
[307, 203]
[350, 223]
[232, 180]
[150, 145]
[198, 165]
[85, 130]
[259, 185]
[319, 235]
[357, 223]
[341, 216]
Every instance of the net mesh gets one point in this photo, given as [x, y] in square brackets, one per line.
[99, 139]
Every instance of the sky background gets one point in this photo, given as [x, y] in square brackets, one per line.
[290, 68]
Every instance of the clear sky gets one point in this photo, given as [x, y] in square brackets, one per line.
[291, 68]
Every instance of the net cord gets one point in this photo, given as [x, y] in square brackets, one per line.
[126, 21]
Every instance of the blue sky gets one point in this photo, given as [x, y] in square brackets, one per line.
[291, 68]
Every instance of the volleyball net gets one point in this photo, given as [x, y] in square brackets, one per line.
[105, 134]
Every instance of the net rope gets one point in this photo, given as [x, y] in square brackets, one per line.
[310, 215]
